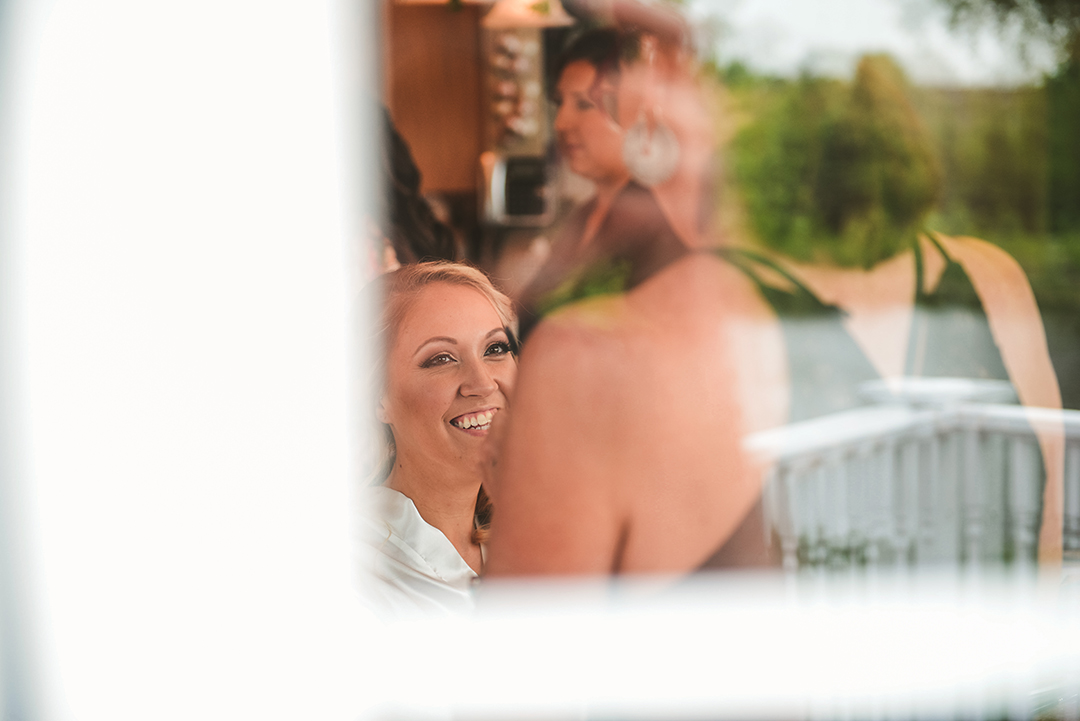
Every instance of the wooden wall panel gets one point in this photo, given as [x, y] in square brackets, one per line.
[433, 90]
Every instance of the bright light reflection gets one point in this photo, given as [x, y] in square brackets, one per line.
[904, 646]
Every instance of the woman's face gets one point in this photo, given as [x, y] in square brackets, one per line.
[589, 138]
[449, 372]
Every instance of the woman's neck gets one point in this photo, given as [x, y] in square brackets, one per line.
[608, 188]
[606, 192]
[447, 504]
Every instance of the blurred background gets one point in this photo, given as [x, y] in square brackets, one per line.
[843, 130]
[182, 190]
[981, 98]
[985, 100]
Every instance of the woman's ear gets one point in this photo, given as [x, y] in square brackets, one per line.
[605, 95]
[381, 413]
[610, 103]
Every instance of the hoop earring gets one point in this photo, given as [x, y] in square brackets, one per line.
[651, 156]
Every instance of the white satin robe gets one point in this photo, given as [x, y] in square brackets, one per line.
[407, 566]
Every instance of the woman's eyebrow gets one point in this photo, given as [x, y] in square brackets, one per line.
[453, 341]
[443, 338]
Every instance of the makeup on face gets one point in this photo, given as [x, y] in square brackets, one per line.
[449, 372]
[589, 138]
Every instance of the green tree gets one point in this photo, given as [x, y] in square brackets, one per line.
[1053, 21]
[1056, 21]
[879, 175]
[840, 173]
[1063, 120]
[777, 158]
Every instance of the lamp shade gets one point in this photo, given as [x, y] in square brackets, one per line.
[526, 14]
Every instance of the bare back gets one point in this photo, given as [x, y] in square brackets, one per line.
[623, 454]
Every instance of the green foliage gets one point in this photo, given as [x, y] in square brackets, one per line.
[1058, 22]
[842, 172]
[1036, 15]
[848, 172]
[839, 173]
[879, 175]
[993, 148]
[1063, 127]
[735, 74]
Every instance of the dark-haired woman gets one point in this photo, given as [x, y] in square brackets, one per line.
[628, 230]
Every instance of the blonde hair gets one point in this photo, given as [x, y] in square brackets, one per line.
[395, 293]
[401, 287]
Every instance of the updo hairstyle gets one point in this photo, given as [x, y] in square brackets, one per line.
[605, 49]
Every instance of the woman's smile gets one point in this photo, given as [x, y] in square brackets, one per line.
[475, 423]
[450, 372]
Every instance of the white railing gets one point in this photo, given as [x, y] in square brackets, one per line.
[897, 485]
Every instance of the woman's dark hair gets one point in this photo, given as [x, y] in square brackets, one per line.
[406, 218]
[603, 48]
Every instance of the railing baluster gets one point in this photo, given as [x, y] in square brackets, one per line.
[789, 542]
[1072, 497]
[973, 499]
[1023, 514]
[909, 500]
[882, 517]
[860, 479]
[993, 454]
[929, 498]
[838, 535]
[878, 485]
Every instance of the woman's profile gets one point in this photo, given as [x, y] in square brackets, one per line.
[447, 369]
[620, 236]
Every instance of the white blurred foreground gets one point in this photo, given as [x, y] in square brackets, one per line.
[889, 646]
[178, 205]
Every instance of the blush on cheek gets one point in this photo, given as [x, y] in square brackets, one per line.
[419, 404]
[411, 402]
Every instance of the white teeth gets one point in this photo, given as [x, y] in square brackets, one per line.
[480, 420]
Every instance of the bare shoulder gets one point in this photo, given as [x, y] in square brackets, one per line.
[559, 504]
[998, 279]
[1013, 315]
[622, 450]
[983, 259]
[571, 352]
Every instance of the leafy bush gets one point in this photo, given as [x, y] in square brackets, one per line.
[837, 172]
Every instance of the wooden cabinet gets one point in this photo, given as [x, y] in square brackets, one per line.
[432, 77]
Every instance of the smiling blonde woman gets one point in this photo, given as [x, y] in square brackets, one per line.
[447, 340]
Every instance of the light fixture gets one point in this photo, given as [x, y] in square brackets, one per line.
[526, 14]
